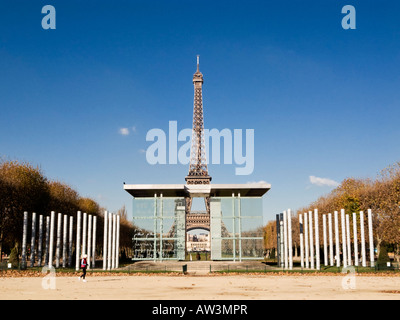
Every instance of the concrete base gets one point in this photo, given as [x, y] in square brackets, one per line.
[197, 267]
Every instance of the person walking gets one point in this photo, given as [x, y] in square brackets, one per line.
[83, 267]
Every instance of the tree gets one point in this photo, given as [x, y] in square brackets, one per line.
[63, 198]
[270, 236]
[381, 195]
[388, 208]
[23, 188]
[89, 206]
[126, 228]
[14, 257]
[383, 255]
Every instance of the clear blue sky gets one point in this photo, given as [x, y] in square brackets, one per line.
[323, 101]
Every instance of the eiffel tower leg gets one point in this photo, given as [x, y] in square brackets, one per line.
[188, 204]
[207, 202]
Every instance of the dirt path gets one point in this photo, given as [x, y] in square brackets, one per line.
[160, 287]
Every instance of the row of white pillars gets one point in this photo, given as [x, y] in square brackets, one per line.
[307, 242]
[285, 239]
[111, 241]
[62, 238]
[88, 245]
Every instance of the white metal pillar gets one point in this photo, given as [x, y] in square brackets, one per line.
[51, 247]
[117, 243]
[344, 246]
[78, 241]
[24, 237]
[290, 240]
[65, 230]
[89, 241]
[58, 243]
[301, 241]
[94, 242]
[317, 246]
[84, 235]
[282, 241]
[337, 239]
[355, 239]
[40, 241]
[113, 242]
[348, 240]
[325, 239]
[331, 260]
[285, 232]
[70, 239]
[47, 242]
[109, 250]
[362, 235]
[307, 250]
[33, 236]
[371, 239]
[105, 242]
[310, 223]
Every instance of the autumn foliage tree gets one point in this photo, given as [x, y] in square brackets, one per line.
[126, 230]
[63, 198]
[270, 237]
[89, 206]
[381, 195]
[24, 187]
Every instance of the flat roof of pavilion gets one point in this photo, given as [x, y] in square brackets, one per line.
[184, 190]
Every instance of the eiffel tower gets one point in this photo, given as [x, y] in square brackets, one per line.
[198, 171]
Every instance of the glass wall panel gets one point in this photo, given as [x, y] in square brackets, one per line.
[143, 207]
[252, 248]
[229, 227]
[251, 207]
[227, 249]
[158, 222]
[144, 228]
[169, 228]
[252, 227]
[227, 206]
[236, 228]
